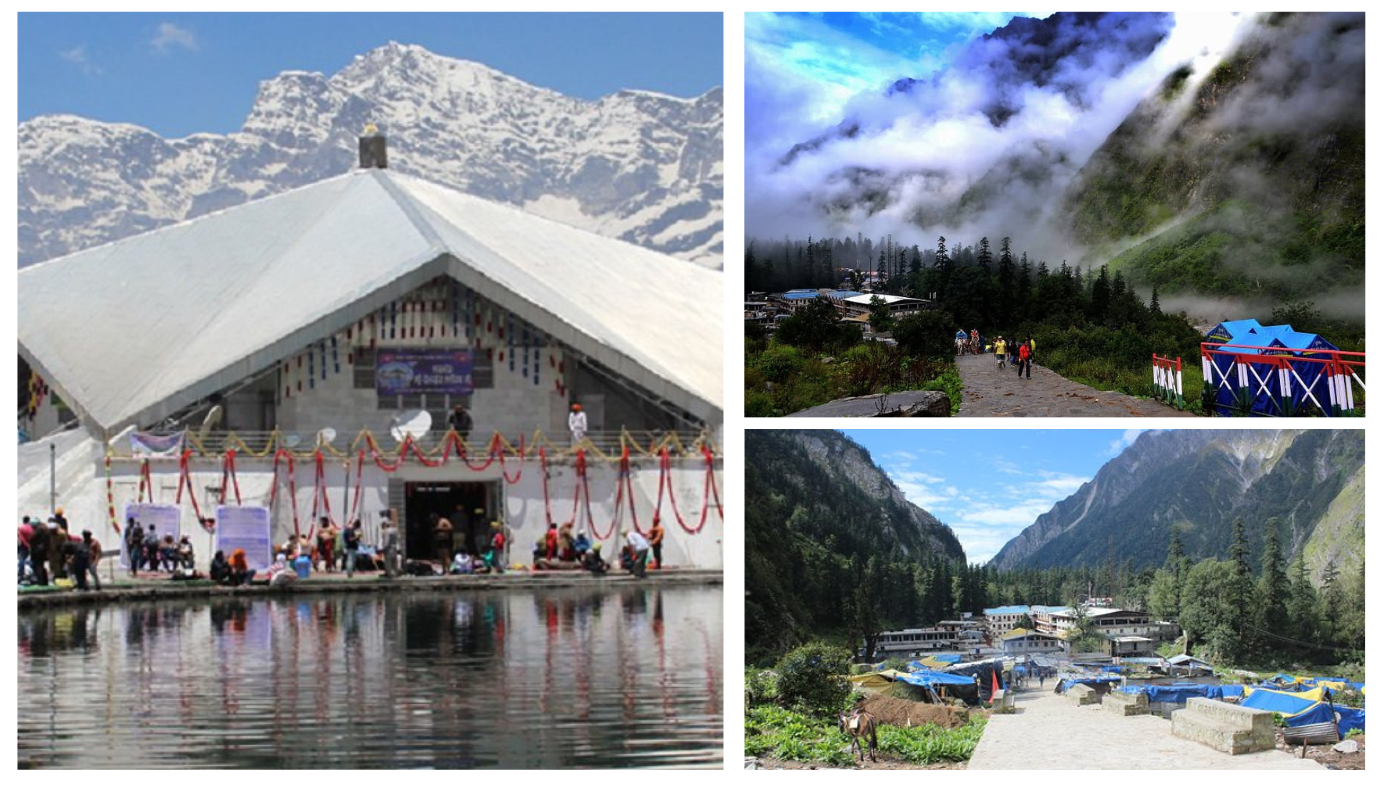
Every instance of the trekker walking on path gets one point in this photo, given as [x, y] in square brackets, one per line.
[1024, 365]
[351, 544]
[999, 347]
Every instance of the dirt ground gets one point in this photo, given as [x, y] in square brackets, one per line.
[904, 713]
[1325, 755]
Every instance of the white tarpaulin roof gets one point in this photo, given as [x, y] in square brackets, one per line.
[132, 331]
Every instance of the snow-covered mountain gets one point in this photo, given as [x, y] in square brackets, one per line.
[643, 167]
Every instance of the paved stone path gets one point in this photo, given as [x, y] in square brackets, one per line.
[1048, 733]
[992, 392]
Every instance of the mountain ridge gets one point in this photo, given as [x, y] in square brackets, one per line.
[1198, 482]
[634, 164]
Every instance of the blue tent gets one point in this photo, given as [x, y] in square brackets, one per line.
[1231, 332]
[951, 657]
[1261, 387]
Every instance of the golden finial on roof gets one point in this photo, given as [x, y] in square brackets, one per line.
[371, 130]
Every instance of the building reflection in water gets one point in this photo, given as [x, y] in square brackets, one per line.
[444, 679]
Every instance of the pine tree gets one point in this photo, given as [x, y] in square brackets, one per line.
[1241, 590]
[984, 257]
[1005, 276]
[1155, 301]
[1274, 588]
[1303, 605]
[1333, 602]
[1101, 298]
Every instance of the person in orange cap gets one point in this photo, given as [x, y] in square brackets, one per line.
[577, 423]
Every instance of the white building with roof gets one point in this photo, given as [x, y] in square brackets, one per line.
[328, 316]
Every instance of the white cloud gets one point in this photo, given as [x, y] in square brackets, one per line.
[1124, 441]
[170, 36]
[77, 56]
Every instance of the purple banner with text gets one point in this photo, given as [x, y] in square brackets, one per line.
[410, 372]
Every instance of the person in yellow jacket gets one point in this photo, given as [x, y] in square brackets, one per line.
[1000, 346]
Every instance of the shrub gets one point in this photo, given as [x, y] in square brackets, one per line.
[926, 334]
[811, 678]
[762, 686]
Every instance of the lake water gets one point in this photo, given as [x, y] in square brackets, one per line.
[518, 679]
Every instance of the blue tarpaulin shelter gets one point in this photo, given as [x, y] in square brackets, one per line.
[1181, 692]
[1071, 680]
[1262, 387]
[930, 679]
[1300, 711]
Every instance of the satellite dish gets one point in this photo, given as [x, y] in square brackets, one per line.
[326, 436]
[292, 440]
[414, 423]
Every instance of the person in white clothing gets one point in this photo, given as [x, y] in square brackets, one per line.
[639, 552]
[577, 423]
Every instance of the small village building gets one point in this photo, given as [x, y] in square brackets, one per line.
[1130, 647]
[1023, 642]
[1003, 619]
[898, 305]
[916, 642]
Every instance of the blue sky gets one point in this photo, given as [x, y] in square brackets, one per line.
[810, 65]
[990, 484]
[179, 74]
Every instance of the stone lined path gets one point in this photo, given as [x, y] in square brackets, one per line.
[990, 392]
[1048, 733]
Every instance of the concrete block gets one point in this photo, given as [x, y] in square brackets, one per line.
[1126, 704]
[1240, 730]
[1080, 695]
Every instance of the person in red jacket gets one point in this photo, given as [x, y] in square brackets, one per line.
[551, 542]
[1024, 365]
[657, 542]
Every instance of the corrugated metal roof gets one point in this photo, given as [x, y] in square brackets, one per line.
[132, 331]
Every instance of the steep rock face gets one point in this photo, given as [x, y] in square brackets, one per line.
[823, 526]
[1250, 180]
[1200, 481]
[643, 167]
[839, 456]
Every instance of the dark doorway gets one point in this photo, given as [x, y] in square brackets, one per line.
[457, 502]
